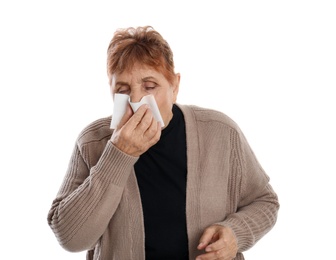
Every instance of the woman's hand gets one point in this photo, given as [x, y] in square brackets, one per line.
[137, 132]
[219, 243]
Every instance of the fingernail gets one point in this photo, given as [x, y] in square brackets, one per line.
[208, 249]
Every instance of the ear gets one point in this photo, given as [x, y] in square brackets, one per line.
[176, 86]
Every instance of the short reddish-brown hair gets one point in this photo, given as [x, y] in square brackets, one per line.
[141, 45]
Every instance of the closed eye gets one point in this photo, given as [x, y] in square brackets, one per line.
[149, 85]
[122, 89]
[123, 92]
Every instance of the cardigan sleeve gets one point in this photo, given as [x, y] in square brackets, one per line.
[89, 196]
[254, 204]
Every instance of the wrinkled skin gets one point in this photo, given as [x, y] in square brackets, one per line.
[138, 131]
[219, 243]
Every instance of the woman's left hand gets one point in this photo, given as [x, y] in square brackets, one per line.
[219, 243]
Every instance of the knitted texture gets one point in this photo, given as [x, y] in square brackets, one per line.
[98, 207]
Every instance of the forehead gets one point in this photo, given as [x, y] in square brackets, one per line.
[137, 73]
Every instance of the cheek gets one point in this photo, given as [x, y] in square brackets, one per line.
[164, 101]
[165, 106]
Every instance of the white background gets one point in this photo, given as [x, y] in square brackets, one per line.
[270, 65]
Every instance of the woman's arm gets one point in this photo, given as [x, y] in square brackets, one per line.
[256, 208]
[88, 196]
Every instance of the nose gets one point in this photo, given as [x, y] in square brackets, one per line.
[135, 96]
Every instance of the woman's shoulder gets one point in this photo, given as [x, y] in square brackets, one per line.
[96, 131]
[207, 115]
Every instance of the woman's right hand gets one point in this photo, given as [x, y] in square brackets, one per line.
[136, 132]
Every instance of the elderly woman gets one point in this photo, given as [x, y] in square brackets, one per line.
[192, 189]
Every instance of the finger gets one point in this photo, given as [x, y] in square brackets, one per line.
[206, 238]
[222, 238]
[153, 133]
[136, 119]
[147, 122]
[219, 244]
[220, 254]
[128, 114]
[224, 244]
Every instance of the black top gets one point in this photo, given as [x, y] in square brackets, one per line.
[162, 176]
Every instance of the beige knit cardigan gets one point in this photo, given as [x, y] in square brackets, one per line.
[98, 206]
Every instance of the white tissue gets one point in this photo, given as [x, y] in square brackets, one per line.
[119, 108]
[120, 105]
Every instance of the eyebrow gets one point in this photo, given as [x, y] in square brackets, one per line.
[148, 78]
[121, 83]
